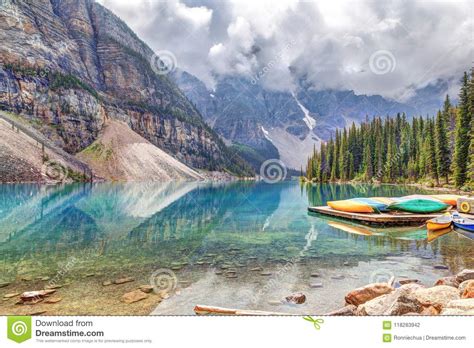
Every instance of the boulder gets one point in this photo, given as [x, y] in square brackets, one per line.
[344, 311]
[398, 302]
[437, 296]
[366, 293]
[466, 289]
[134, 296]
[459, 307]
[464, 275]
[450, 281]
[296, 298]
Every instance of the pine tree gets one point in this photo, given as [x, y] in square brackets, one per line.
[431, 158]
[443, 156]
[462, 131]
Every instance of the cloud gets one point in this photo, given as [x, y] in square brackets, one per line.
[328, 43]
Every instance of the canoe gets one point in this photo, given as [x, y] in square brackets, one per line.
[384, 200]
[351, 206]
[418, 205]
[433, 235]
[439, 223]
[448, 198]
[465, 224]
[375, 204]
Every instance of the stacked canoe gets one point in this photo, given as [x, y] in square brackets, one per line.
[419, 204]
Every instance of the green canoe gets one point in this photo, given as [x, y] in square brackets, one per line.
[418, 205]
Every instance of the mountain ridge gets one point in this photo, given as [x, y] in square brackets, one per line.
[68, 66]
[287, 125]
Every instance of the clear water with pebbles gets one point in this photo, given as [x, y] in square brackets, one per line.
[241, 245]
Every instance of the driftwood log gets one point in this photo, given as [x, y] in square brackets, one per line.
[210, 310]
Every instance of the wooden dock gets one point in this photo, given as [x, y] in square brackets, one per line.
[388, 219]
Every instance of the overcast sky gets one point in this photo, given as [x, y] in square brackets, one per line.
[373, 47]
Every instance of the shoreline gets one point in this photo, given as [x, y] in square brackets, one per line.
[418, 185]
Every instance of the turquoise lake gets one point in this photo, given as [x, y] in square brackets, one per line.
[240, 245]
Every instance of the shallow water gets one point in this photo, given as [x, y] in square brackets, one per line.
[240, 245]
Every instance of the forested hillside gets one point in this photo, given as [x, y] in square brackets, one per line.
[435, 150]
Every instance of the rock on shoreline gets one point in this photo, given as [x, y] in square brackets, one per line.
[448, 296]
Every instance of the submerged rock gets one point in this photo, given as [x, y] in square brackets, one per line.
[134, 296]
[296, 298]
[124, 280]
[408, 281]
[464, 275]
[11, 295]
[107, 283]
[265, 273]
[316, 285]
[4, 285]
[146, 288]
[37, 294]
[366, 293]
[53, 300]
[338, 277]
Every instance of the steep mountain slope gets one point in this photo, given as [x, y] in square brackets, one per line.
[266, 124]
[121, 154]
[68, 66]
[24, 159]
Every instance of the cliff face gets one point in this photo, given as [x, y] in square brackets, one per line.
[70, 65]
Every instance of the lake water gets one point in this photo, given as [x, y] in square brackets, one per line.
[240, 245]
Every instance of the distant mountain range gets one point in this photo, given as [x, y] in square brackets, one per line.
[263, 124]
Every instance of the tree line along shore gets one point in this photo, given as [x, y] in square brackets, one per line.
[434, 151]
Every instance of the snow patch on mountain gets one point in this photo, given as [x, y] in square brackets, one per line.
[293, 151]
[310, 122]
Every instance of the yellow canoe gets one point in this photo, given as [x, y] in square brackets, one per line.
[439, 223]
[447, 198]
[350, 206]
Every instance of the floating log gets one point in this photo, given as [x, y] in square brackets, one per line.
[210, 310]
